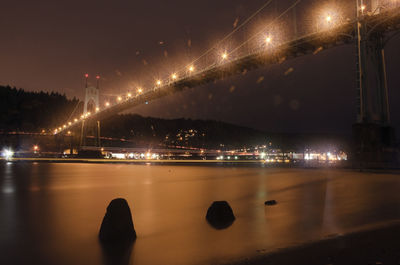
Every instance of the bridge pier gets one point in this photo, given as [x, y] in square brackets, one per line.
[90, 129]
[373, 137]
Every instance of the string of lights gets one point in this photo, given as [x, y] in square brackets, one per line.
[327, 22]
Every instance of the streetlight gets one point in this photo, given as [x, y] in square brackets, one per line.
[362, 8]
[328, 18]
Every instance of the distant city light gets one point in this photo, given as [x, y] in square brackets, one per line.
[158, 82]
[119, 98]
[7, 154]
[224, 56]
[107, 104]
[35, 148]
[97, 109]
[268, 40]
[191, 68]
[75, 120]
[129, 95]
[140, 90]
[118, 155]
[174, 76]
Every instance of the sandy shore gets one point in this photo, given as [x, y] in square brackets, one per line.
[375, 246]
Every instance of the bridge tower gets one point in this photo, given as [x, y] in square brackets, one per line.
[91, 105]
[373, 136]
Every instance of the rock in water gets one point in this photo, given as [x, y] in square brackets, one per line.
[220, 215]
[117, 225]
[270, 203]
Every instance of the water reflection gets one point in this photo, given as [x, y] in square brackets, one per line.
[54, 211]
[8, 186]
[117, 254]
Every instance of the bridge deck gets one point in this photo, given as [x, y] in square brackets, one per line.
[311, 43]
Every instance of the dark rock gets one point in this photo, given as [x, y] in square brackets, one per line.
[270, 203]
[117, 225]
[117, 253]
[220, 215]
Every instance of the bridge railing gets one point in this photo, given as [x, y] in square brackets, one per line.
[341, 32]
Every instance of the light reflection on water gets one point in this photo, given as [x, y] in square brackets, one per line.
[51, 213]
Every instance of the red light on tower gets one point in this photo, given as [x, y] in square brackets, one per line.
[86, 80]
[97, 79]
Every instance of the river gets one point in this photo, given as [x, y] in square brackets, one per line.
[50, 213]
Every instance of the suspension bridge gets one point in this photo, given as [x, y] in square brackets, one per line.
[374, 23]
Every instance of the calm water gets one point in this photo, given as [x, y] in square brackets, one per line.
[51, 213]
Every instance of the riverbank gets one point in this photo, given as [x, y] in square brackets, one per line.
[244, 162]
[127, 161]
[379, 245]
[251, 162]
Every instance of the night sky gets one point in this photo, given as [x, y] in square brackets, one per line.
[49, 45]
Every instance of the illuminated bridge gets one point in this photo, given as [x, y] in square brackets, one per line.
[374, 23]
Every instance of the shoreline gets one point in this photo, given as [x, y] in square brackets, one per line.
[130, 161]
[165, 161]
[374, 245]
[260, 163]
